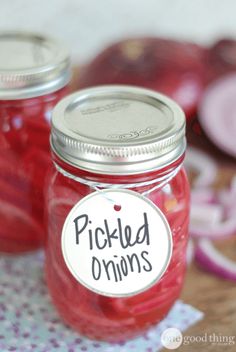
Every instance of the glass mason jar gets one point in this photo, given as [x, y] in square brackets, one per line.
[34, 73]
[129, 142]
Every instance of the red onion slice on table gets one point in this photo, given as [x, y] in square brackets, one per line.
[215, 219]
[208, 257]
[203, 164]
[224, 229]
[205, 215]
[217, 113]
[202, 195]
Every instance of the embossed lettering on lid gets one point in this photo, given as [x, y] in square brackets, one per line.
[118, 130]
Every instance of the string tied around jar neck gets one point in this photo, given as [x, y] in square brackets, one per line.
[98, 186]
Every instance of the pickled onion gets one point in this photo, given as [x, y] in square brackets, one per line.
[205, 214]
[217, 113]
[208, 257]
[215, 219]
[212, 215]
[221, 230]
[203, 164]
[202, 195]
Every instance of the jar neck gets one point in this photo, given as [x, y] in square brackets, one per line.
[150, 177]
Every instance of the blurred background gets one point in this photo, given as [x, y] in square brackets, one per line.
[86, 26]
[187, 50]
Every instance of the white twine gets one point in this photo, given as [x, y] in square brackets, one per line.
[97, 186]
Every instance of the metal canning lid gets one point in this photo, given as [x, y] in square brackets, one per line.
[118, 130]
[31, 65]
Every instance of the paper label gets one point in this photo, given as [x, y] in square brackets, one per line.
[116, 242]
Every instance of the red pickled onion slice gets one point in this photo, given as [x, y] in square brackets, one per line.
[202, 195]
[13, 195]
[203, 164]
[36, 170]
[16, 224]
[14, 133]
[224, 229]
[11, 171]
[207, 256]
[205, 214]
[217, 113]
[228, 201]
[63, 196]
[37, 131]
[213, 217]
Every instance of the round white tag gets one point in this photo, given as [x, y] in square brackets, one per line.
[116, 242]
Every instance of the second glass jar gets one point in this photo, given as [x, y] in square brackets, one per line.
[34, 72]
